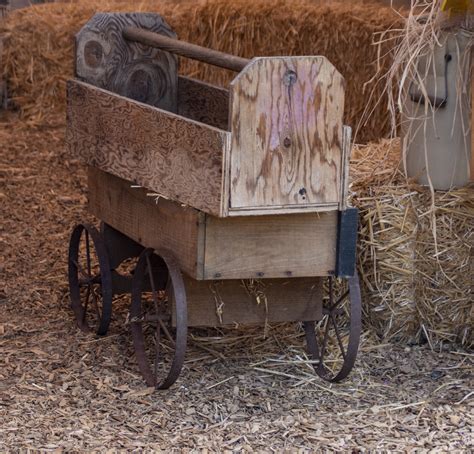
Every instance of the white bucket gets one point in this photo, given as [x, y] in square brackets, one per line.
[437, 141]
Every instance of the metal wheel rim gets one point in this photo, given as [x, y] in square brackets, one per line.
[179, 294]
[353, 341]
[105, 282]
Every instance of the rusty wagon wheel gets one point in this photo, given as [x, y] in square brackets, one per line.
[90, 279]
[333, 341]
[158, 318]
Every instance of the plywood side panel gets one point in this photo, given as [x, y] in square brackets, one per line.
[178, 158]
[286, 125]
[294, 245]
[133, 213]
[203, 102]
[234, 302]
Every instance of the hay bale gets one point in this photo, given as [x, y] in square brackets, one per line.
[39, 48]
[415, 252]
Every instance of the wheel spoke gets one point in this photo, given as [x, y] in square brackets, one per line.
[88, 255]
[86, 303]
[341, 298]
[81, 271]
[338, 336]
[157, 348]
[325, 340]
[96, 304]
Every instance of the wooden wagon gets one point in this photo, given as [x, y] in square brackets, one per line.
[233, 200]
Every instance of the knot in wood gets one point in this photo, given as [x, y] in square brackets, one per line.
[289, 78]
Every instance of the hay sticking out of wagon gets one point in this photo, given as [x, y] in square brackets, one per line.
[39, 45]
[416, 261]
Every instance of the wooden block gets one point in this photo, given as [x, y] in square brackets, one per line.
[203, 102]
[270, 246]
[105, 59]
[237, 302]
[286, 125]
[178, 158]
[133, 213]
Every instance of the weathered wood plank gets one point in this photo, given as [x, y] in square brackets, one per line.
[105, 59]
[203, 102]
[178, 158]
[286, 125]
[234, 302]
[346, 156]
[294, 245]
[212, 248]
[133, 213]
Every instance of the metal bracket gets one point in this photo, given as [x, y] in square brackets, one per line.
[347, 242]
[433, 100]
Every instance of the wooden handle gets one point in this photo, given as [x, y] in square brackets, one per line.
[212, 57]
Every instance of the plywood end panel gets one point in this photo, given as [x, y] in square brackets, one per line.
[286, 125]
[143, 73]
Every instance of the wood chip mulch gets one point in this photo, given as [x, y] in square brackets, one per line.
[62, 390]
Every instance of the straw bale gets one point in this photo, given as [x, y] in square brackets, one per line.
[415, 252]
[39, 49]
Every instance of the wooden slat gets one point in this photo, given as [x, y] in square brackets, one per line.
[234, 302]
[211, 248]
[270, 246]
[178, 158]
[203, 102]
[346, 157]
[133, 213]
[286, 125]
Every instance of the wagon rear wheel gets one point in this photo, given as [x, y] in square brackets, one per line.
[158, 318]
[90, 280]
[333, 341]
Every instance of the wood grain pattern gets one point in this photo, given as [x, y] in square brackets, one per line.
[346, 156]
[286, 125]
[294, 245]
[221, 303]
[203, 102]
[211, 248]
[105, 59]
[180, 159]
[133, 213]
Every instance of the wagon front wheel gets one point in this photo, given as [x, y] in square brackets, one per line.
[333, 342]
[158, 318]
[90, 279]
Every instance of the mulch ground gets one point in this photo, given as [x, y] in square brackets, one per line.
[61, 389]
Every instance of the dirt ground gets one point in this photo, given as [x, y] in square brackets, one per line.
[63, 390]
